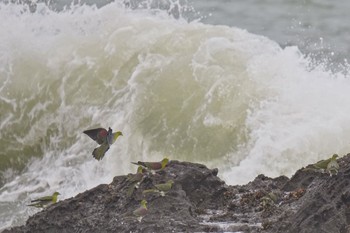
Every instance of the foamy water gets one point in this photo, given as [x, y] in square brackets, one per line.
[216, 95]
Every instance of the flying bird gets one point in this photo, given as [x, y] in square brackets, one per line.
[104, 138]
[44, 201]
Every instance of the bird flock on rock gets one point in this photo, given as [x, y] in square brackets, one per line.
[105, 138]
[145, 170]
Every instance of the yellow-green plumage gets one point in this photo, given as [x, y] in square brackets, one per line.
[154, 166]
[141, 170]
[141, 211]
[165, 186]
[44, 201]
[333, 167]
[100, 151]
[330, 165]
[103, 137]
[324, 163]
[161, 188]
[135, 180]
[136, 177]
[114, 137]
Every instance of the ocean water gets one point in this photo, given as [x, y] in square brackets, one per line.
[249, 87]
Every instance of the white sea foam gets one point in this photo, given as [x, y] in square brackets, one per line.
[304, 119]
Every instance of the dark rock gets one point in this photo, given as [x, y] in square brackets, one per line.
[324, 206]
[200, 202]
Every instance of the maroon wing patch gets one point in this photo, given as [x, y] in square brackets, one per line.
[97, 134]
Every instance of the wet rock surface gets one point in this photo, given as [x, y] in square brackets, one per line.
[199, 201]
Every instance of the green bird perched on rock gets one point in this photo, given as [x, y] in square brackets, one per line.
[161, 188]
[103, 137]
[45, 201]
[140, 173]
[333, 166]
[268, 200]
[135, 179]
[153, 166]
[330, 165]
[141, 211]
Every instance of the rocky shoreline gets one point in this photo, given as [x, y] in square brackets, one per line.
[199, 201]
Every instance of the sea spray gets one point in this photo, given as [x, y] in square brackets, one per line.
[304, 119]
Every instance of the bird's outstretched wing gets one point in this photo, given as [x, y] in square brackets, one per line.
[97, 134]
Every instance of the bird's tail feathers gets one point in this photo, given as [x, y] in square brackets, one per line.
[100, 151]
[37, 205]
[139, 163]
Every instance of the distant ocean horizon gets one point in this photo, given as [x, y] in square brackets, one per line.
[249, 87]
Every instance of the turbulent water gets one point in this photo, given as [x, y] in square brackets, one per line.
[174, 86]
